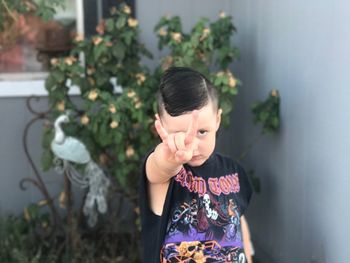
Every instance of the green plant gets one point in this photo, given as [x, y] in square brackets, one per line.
[267, 113]
[24, 238]
[29, 238]
[117, 127]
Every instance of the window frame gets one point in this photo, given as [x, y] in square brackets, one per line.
[26, 84]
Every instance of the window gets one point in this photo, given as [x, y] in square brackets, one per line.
[95, 10]
[27, 45]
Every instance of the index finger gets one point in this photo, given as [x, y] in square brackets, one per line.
[192, 129]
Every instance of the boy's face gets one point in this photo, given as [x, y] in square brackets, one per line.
[208, 123]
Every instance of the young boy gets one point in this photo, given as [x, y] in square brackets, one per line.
[192, 198]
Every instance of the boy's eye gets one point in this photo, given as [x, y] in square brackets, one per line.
[202, 132]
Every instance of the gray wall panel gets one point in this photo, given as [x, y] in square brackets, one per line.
[300, 48]
[14, 165]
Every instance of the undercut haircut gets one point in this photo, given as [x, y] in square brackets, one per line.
[183, 90]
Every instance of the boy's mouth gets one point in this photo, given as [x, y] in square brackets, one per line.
[195, 158]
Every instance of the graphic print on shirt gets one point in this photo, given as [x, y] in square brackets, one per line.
[207, 227]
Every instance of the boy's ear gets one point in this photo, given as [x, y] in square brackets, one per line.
[218, 118]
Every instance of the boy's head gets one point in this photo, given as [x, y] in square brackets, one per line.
[181, 91]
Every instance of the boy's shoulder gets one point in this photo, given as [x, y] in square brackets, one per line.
[224, 158]
[222, 162]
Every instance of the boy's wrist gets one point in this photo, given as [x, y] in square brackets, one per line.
[167, 167]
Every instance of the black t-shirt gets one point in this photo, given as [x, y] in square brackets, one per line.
[201, 214]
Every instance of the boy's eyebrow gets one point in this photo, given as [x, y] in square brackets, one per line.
[199, 129]
[175, 131]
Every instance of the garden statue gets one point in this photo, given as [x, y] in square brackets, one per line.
[72, 151]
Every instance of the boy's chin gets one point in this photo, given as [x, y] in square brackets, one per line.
[196, 162]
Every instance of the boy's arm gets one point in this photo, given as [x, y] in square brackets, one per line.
[246, 240]
[158, 169]
[167, 160]
[158, 173]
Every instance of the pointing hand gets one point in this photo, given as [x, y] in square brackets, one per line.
[178, 147]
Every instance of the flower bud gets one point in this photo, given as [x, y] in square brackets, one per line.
[93, 95]
[132, 22]
[114, 124]
[61, 106]
[130, 151]
[85, 120]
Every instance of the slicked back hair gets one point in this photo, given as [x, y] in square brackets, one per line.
[183, 90]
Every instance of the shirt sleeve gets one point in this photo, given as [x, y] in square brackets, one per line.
[150, 222]
[146, 210]
[246, 191]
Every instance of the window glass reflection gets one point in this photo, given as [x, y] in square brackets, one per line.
[28, 43]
